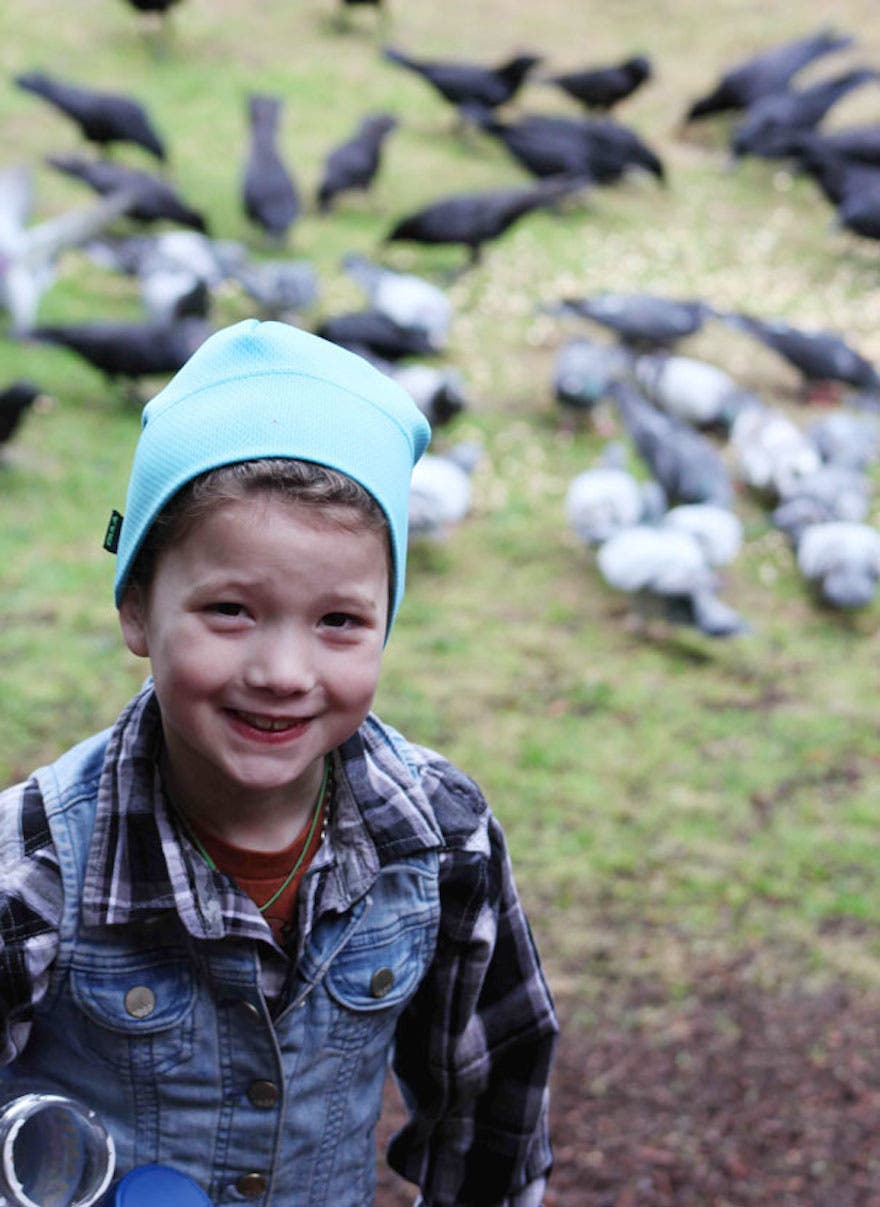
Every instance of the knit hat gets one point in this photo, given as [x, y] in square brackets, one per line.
[266, 389]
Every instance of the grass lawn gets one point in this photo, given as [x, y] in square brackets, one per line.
[669, 800]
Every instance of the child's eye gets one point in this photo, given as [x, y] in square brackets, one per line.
[338, 620]
[226, 608]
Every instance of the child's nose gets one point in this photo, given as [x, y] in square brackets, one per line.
[281, 661]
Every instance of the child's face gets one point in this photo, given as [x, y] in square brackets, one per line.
[264, 626]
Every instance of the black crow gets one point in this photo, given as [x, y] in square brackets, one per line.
[152, 6]
[269, 192]
[838, 176]
[469, 84]
[640, 320]
[860, 213]
[596, 149]
[154, 199]
[819, 356]
[354, 163]
[129, 350]
[103, 117]
[15, 401]
[604, 87]
[472, 219]
[861, 143]
[767, 72]
[376, 331]
[771, 125]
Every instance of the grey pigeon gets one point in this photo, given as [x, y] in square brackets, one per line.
[584, 370]
[831, 492]
[281, 288]
[642, 320]
[667, 566]
[684, 461]
[842, 560]
[847, 438]
[408, 299]
[819, 356]
[29, 254]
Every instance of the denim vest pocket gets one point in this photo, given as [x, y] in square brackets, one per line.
[379, 969]
[138, 1009]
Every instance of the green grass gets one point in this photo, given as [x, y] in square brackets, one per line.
[667, 799]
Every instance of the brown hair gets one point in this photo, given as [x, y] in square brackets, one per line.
[338, 497]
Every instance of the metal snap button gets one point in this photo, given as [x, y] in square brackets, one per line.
[140, 1001]
[250, 1011]
[252, 1185]
[263, 1094]
[381, 982]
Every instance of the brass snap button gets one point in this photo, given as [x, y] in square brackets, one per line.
[381, 982]
[140, 1001]
[263, 1094]
[252, 1185]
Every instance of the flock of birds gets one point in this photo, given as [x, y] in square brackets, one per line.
[662, 533]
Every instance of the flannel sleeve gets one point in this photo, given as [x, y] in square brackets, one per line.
[30, 911]
[474, 1048]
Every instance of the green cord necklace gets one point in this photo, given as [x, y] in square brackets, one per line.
[299, 860]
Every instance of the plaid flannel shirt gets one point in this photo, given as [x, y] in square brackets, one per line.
[473, 1048]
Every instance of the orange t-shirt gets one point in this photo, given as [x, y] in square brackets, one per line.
[260, 874]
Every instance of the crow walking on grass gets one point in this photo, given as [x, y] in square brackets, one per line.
[604, 87]
[468, 85]
[102, 117]
[474, 219]
[354, 163]
[154, 199]
[269, 193]
[770, 71]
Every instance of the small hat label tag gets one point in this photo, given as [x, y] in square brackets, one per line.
[111, 537]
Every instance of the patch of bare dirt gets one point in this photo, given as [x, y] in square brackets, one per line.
[731, 1099]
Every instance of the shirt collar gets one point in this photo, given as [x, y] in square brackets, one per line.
[142, 862]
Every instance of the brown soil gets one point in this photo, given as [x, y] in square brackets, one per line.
[731, 1099]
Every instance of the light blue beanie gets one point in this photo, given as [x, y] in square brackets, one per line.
[256, 390]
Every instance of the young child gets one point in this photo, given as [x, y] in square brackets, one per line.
[221, 918]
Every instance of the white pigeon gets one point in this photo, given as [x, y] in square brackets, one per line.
[29, 254]
[602, 500]
[659, 564]
[842, 560]
[717, 530]
[771, 451]
[692, 390]
[407, 299]
[440, 493]
[846, 438]
[438, 392]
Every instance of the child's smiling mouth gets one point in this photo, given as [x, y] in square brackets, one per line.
[267, 724]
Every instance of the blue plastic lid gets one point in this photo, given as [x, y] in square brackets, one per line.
[157, 1186]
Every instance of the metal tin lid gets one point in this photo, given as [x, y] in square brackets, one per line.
[155, 1185]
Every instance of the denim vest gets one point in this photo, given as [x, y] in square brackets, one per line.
[170, 1038]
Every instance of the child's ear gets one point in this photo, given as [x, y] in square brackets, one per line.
[132, 622]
